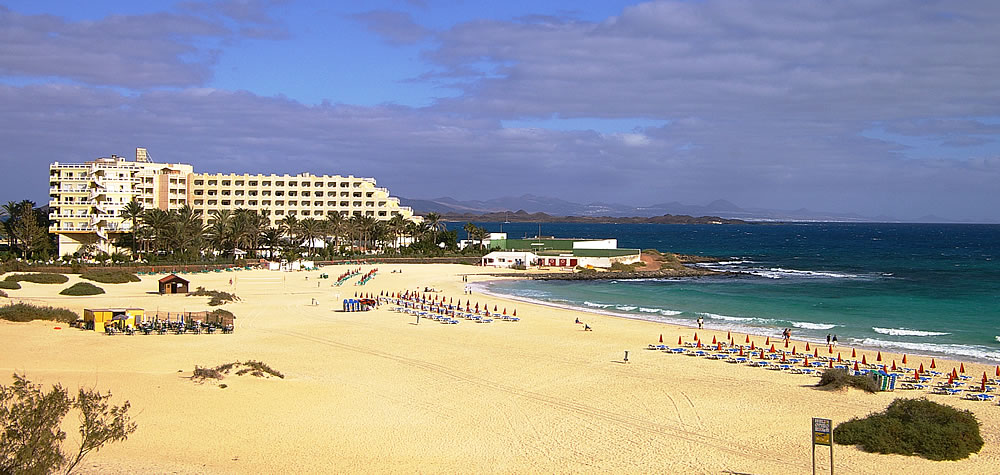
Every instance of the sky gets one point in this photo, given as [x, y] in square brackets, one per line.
[876, 107]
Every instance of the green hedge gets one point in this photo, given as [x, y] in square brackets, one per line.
[38, 278]
[82, 288]
[110, 276]
[22, 312]
[836, 378]
[914, 427]
[9, 285]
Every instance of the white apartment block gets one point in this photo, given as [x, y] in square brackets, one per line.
[86, 199]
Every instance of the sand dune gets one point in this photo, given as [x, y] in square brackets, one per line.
[374, 392]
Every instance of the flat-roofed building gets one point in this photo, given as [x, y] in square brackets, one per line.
[86, 199]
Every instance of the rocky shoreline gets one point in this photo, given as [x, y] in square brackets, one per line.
[627, 275]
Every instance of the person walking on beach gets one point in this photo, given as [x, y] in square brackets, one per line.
[701, 322]
[834, 340]
[827, 339]
[626, 356]
[587, 328]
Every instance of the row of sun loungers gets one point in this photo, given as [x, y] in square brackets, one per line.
[164, 328]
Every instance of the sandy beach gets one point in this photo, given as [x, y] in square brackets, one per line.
[375, 392]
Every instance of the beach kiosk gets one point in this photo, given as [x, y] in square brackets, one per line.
[98, 318]
[172, 284]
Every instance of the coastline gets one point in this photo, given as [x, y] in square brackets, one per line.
[376, 392]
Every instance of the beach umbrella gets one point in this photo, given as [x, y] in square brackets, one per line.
[954, 374]
[921, 367]
[505, 310]
[831, 363]
[829, 349]
[729, 336]
[713, 340]
[982, 386]
[879, 356]
[854, 353]
[679, 341]
[916, 375]
[661, 338]
[894, 365]
[998, 370]
[772, 348]
[494, 307]
[741, 350]
[695, 335]
[807, 346]
[961, 368]
[855, 366]
[815, 352]
[883, 369]
[783, 357]
[932, 364]
[699, 343]
[951, 380]
[718, 347]
[904, 358]
[793, 350]
[751, 346]
[806, 363]
[515, 312]
[761, 353]
[748, 338]
[864, 360]
[767, 341]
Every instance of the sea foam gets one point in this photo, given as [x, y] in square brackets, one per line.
[907, 332]
[813, 326]
[972, 351]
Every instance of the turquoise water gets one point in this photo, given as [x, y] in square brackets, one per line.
[918, 288]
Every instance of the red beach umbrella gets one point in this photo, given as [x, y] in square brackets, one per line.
[829, 349]
[718, 347]
[921, 367]
[679, 341]
[741, 350]
[761, 353]
[916, 375]
[838, 357]
[751, 346]
[961, 368]
[793, 350]
[998, 370]
[786, 343]
[982, 386]
[864, 360]
[695, 335]
[855, 366]
[661, 338]
[783, 358]
[854, 353]
[951, 380]
[806, 363]
[748, 338]
[984, 376]
[505, 310]
[515, 312]
[815, 352]
[767, 341]
[494, 307]
[954, 374]
[932, 364]
[904, 358]
[772, 348]
[831, 363]
[729, 336]
[879, 356]
[713, 340]
[807, 346]
[699, 343]
[894, 365]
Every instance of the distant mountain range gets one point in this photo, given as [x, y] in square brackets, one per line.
[557, 207]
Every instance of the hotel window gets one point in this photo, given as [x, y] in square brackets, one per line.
[265, 183]
[265, 203]
[293, 193]
[305, 193]
[239, 202]
[225, 182]
[332, 184]
[357, 184]
[305, 213]
[369, 194]
[279, 211]
[331, 203]
[344, 194]
[318, 203]
[252, 203]
[344, 184]
[225, 202]
[357, 195]
[319, 194]
[279, 183]
[226, 192]
[253, 183]
[279, 193]
[212, 192]
[199, 192]
[265, 193]
[239, 193]
[356, 203]
[306, 184]
[343, 203]
[293, 203]
[239, 183]
[279, 203]
[381, 213]
[199, 202]
[199, 182]
[253, 193]
[381, 204]
[212, 202]
[213, 182]
[293, 183]
[369, 213]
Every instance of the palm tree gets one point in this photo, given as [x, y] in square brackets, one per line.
[396, 226]
[133, 212]
[309, 230]
[271, 238]
[434, 223]
[334, 227]
[10, 211]
[157, 220]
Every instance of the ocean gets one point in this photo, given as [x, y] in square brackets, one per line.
[931, 289]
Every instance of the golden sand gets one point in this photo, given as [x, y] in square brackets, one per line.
[375, 392]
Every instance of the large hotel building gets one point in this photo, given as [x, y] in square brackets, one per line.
[86, 199]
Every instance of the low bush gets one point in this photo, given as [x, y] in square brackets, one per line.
[836, 378]
[206, 373]
[914, 427]
[258, 369]
[3, 294]
[585, 270]
[9, 285]
[218, 297]
[23, 312]
[82, 288]
[38, 278]
[253, 368]
[110, 276]
[619, 267]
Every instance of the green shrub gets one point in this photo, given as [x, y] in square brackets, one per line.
[110, 276]
[253, 368]
[585, 270]
[38, 278]
[3, 294]
[619, 267]
[914, 427]
[206, 373]
[9, 285]
[836, 378]
[218, 297]
[23, 312]
[82, 288]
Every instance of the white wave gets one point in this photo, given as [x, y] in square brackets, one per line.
[779, 272]
[669, 313]
[649, 310]
[598, 305]
[998, 338]
[813, 326]
[727, 318]
[729, 263]
[626, 308]
[907, 332]
[972, 351]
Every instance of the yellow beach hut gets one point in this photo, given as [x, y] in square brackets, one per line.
[98, 318]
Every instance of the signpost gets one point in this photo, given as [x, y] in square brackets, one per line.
[822, 434]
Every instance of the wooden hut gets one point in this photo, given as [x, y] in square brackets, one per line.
[98, 318]
[172, 284]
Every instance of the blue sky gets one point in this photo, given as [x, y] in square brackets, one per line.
[878, 108]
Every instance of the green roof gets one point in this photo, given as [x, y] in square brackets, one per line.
[592, 252]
